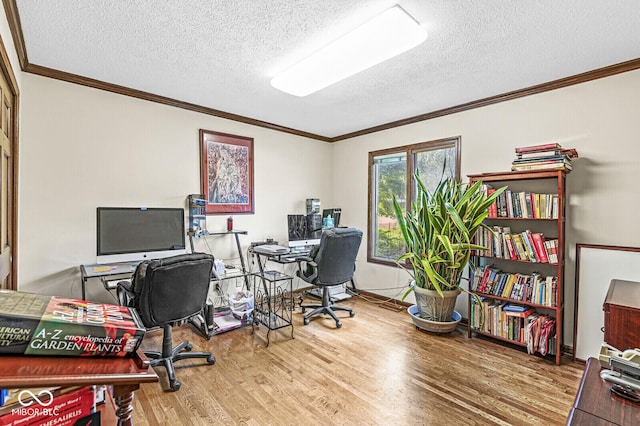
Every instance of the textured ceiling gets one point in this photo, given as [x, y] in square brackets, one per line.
[222, 54]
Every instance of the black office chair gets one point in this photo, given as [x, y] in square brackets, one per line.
[332, 263]
[165, 292]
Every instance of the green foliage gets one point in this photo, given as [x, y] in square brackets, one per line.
[390, 243]
[392, 180]
[438, 231]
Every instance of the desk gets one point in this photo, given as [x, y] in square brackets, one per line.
[595, 405]
[238, 247]
[273, 303]
[124, 374]
[97, 270]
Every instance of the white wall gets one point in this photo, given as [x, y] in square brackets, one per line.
[82, 148]
[600, 118]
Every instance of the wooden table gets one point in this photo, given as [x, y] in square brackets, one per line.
[595, 405]
[124, 374]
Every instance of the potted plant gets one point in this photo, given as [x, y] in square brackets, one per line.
[438, 231]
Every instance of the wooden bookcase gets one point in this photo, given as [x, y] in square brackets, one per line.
[537, 182]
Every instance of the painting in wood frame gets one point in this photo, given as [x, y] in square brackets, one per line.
[226, 172]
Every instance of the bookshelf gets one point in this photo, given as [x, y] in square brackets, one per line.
[533, 280]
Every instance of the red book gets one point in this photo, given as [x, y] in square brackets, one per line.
[570, 152]
[485, 278]
[60, 409]
[522, 314]
[533, 205]
[512, 251]
[543, 147]
[538, 243]
[493, 208]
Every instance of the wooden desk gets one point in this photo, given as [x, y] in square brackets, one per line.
[595, 405]
[124, 374]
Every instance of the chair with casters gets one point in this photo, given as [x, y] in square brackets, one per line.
[332, 263]
[166, 292]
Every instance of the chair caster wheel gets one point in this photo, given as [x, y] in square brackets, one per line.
[211, 360]
[352, 314]
[175, 386]
[338, 324]
[305, 321]
[303, 310]
[188, 348]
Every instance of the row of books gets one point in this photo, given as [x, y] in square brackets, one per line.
[526, 205]
[51, 406]
[493, 318]
[551, 156]
[527, 245]
[516, 323]
[532, 288]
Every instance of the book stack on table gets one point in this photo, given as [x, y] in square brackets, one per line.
[549, 156]
[36, 324]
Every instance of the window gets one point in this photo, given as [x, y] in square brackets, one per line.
[391, 173]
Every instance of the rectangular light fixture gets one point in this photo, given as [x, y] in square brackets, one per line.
[383, 37]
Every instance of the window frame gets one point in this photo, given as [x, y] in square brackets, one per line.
[410, 152]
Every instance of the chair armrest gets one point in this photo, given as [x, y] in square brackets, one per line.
[310, 264]
[124, 291]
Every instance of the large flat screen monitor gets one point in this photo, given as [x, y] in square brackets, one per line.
[127, 234]
[304, 231]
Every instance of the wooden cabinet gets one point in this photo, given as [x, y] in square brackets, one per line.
[622, 315]
[539, 281]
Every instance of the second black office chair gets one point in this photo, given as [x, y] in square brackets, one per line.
[165, 292]
[332, 264]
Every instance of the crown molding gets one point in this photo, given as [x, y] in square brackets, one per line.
[608, 71]
[15, 26]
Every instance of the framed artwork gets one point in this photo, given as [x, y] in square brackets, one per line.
[596, 266]
[226, 172]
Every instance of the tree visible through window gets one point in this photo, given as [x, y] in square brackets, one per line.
[390, 171]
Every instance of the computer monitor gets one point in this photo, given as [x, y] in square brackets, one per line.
[126, 234]
[334, 213]
[304, 231]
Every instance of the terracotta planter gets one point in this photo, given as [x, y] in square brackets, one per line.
[432, 306]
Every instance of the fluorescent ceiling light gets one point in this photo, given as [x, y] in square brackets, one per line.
[385, 36]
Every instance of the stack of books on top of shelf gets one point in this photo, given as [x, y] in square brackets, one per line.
[550, 156]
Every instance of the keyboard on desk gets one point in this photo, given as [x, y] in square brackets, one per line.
[271, 249]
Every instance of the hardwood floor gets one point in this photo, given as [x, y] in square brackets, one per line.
[378, 369]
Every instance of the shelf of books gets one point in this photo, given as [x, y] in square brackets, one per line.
[517, 283]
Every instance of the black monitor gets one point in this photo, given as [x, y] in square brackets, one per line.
[127, 234]
[334, 213]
